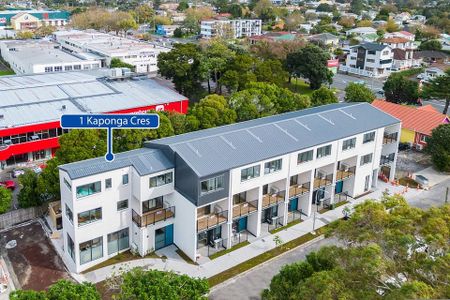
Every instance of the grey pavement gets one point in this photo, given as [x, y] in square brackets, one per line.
[439, 105]
[340, 81]
[249, 285]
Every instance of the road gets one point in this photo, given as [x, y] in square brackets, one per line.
[251, 284]
[434, 197]
[439, 105]
[340, 82]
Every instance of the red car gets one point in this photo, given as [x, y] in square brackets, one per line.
[9, 184]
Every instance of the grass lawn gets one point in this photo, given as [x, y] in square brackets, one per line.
[6, 72]
[119, 258]
[247, 265]
[223, 252]
[185, 257]
[340, 203]
[295, 222]
[299, 86]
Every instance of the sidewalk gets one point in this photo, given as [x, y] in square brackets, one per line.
[240, 255]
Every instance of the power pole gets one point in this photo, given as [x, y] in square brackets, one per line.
[446, 195]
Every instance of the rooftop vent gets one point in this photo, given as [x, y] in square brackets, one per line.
[63, 107]
[2, 117]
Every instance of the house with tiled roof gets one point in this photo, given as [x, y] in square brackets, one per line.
[403, 49]
[417, 122]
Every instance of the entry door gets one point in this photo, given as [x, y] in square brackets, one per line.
[242, 224]
[293, 204]
[318, 194]
[163, 237]
[366, 183]
[339, 186]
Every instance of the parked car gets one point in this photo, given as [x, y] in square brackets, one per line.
[360, 82]
[380, 93]
[36, 169]
[17, 172]
[9, 184]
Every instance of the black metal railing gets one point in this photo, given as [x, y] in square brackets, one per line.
[153, 217]
[344, 173]
[300, 189]
[340, 197]
[244, 208]
[211, 220]
[239, 237]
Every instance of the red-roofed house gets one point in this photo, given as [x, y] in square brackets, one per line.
[417, 123]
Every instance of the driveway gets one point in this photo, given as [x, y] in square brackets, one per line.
[250, 285]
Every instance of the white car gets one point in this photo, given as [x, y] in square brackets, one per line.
[17, 172]
[36, 169]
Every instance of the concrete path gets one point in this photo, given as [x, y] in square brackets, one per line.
[257, 247]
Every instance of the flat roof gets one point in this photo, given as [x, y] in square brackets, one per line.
[222, 148]
[39, 98]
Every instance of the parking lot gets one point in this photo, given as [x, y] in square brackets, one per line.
[33, 263]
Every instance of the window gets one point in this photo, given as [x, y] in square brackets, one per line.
[371, 52]
[68, 184]
[370, 60]
[48, 69]
[323, 151]
[249, 173]
[89, 216]
[349, 144]
[272, 166]
[88, 189]
[58, 68]
[212, 184]
[305, 156]
[123, 204]
[125, 179]
[77, 67]
[369, 137]
[91, 250]
[366, 159]
[118, 241]
[108, 183]
[70, 247]
[69, 214]
[424, 138]
[67, 68]
[161, 180]
[152, 204]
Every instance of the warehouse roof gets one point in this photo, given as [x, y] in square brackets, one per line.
[38, 98]
[222, 148]
[145, 161]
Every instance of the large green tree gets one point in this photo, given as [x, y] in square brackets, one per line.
[240, 72]
[323, 96]
[431, 45]
[217, 58]
[211, 111]
[28, 195]
[184, 65]
[310, 62]
[439, 88]
[5, 199]
[438, 145]
[355, 92]
[271, 71]
[402, 253]
[61, 290]
[399, 89]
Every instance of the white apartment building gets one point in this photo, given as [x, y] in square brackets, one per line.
[230, 28]
[41, 56]
[403, 49]
[212, 189]
[142, 55]
[369, 59]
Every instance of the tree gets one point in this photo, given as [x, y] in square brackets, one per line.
[356, 6]
[271, 71]
[144, 14]
[364, 23]
[5, 199]
[264, 10]
[391, 26]
[292, 21]
[324, 7]
[28, 195]
[399, 89]
[162, 20]
[310, 62]
[184, 65]
[431, 45]
[347, 22]
[235, 10]
[44, 31]
[182, 6]
[48, 181]
[212, 111]
[439, 88]
[24, 35]
[117, 63]
[81, 144]
[61, 290]
[355, 92]
[402, 253]
[323, 96]
[159, 285]
[438, 147]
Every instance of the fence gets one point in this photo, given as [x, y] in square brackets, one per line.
[21, 215]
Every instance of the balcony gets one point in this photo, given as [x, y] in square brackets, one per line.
[206, 222]
[345, 173]
[272, 199]
[390, 138]
[153, 217]
[387, 159]
[297, 190]
[244, 208]
[322, 181]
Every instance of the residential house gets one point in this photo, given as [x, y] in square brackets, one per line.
[417, 122]
[369, 59]
[326, 39]
[210, 190]
[401, 34]
[404, 52]
[166, 30]
[359, 31]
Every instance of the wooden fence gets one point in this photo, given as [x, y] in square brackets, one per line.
[21, 215]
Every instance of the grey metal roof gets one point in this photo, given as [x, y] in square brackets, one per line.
[372, 46]
[222, 148]
[145, 161]
[33, 99]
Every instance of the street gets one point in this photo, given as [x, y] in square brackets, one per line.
[340, 82]
[251, 284]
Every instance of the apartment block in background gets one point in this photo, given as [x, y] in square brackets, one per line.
[209, 190]
[238, 28]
